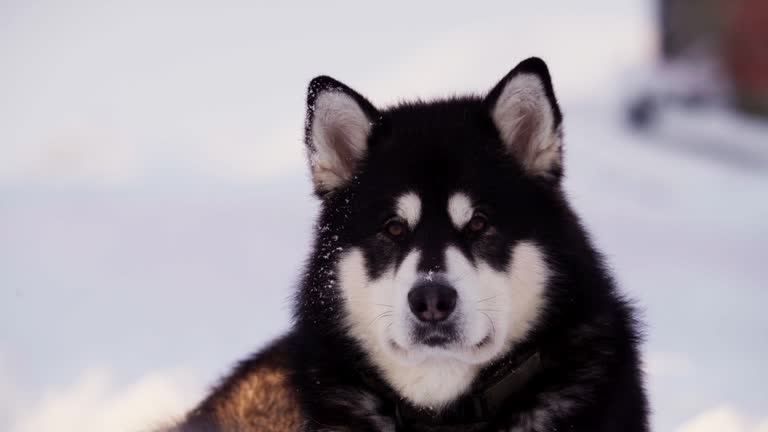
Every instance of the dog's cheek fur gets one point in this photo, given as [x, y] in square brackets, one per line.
[376, 310]
[364, 303]
[509, 301]
[527, 279]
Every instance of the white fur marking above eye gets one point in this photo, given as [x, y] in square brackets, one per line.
[409, 208]
[340, 131]
[526, 123]
[460, 209]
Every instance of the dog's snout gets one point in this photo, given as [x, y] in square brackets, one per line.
[432, 302]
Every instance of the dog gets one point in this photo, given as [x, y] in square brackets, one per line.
[451, 286]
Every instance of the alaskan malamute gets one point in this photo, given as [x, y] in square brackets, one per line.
[451, 287]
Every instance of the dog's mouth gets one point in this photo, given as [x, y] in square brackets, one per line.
[440, 335]
[436, 340]
[441, 340]
[439, 346]
[449, 339]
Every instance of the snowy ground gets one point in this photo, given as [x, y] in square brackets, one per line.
[154, 210]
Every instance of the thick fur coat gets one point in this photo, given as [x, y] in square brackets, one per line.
[446, 253]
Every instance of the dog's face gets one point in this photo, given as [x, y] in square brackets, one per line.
[434, 210]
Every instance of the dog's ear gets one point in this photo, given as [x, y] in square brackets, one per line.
[338, 126]
[524, 109]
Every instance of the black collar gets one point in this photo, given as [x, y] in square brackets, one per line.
[475, 410]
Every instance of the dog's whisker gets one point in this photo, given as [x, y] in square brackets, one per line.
[458, 277]
[487, 299]
[493, 327]
[366, 302]
[381, 315]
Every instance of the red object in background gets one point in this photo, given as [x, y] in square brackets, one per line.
[746, 52]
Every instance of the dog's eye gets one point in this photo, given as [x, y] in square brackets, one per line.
[478, 223]
[395, 228]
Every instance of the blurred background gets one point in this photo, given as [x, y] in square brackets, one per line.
[155, 210]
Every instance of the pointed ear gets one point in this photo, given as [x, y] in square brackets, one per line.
[524, 109]
[338, 126]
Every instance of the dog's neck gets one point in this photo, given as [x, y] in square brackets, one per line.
[494, 387]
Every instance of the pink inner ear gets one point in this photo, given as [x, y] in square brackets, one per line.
[342, 144]
[525, 120]
[339, 134]
[523, 146]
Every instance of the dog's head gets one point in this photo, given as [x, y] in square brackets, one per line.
[433, 213]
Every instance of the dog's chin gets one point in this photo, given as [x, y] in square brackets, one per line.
[477, 352]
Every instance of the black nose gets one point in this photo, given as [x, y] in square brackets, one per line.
[432, 302]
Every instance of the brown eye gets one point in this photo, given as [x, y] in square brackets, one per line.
[395, 228]
[478, 223]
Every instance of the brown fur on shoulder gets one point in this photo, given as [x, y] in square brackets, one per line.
[257, 396]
